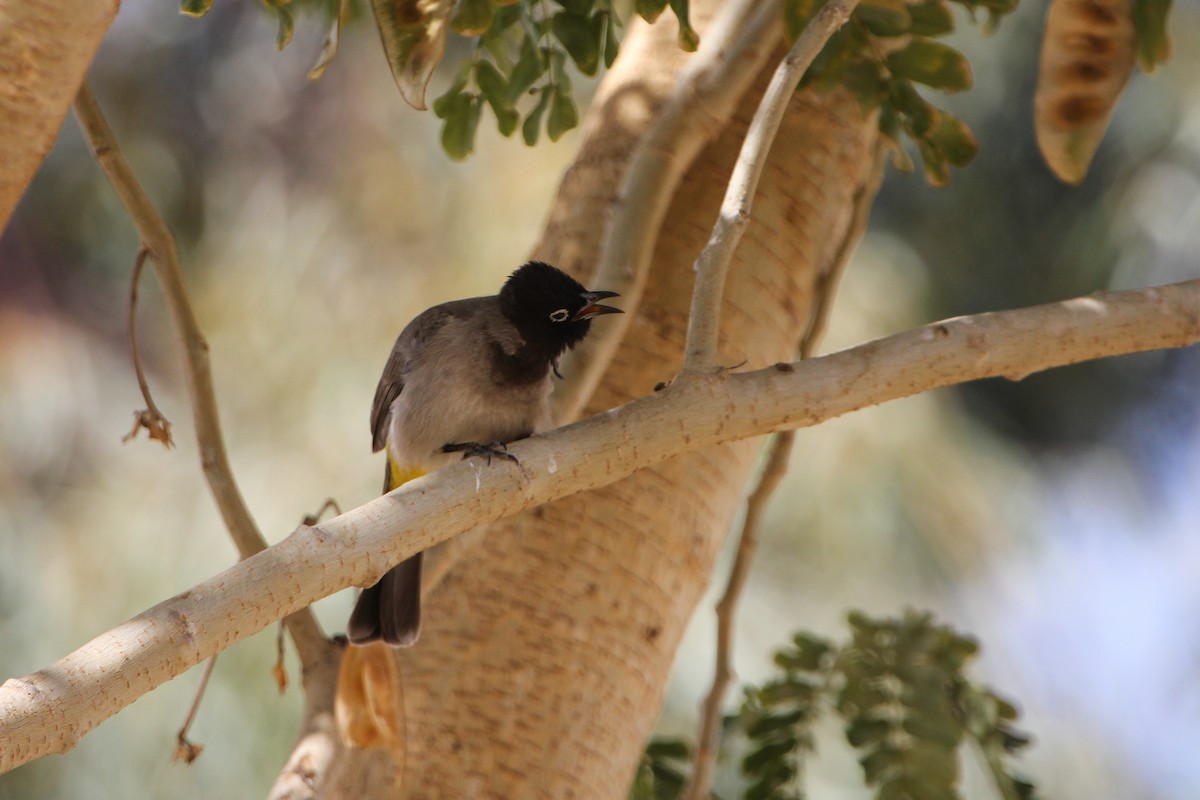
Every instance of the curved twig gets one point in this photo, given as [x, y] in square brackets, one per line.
[157, 426]
[158, 240]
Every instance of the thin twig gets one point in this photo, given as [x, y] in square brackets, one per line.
[779, 448]
[187, 751]
[157, 426]
[329, 504]
[702, 101]
[158, 240]
[704, 321]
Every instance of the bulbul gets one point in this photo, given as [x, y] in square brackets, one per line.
[466, 377]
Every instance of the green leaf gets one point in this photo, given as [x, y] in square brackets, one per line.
[812, 651]
[689, 40]
[768, 754]
[563, 115]
[917, 114]
[505, 16]
[931, 18]
[611, 43]
[578, 7]
[287, 27]
[933, 64]
[531, 65]
[952, 137]
[796, 14]
[462, 120]
[878, 765]
[768, 782]
[195, 8]
[666, 780]
[844, 48]
[865, 730]
[491, 84]
[414, 41]
[643, 782]
[788, 691]
[936, 729]
[581, 38]
[533, 122]
[884, 17]
[495, 91]
[775, 722]
[1153, 41]
[865, 80]
[649, 9]
[558, 71]
[473, 17]
[669, 748]
[442, 106]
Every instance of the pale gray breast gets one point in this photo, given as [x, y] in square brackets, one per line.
[450, 394]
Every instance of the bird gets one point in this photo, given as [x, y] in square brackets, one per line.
[466, 377]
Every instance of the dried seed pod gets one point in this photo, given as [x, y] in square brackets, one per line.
[1088, 53]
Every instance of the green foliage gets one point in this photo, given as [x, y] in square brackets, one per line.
[906, 705]
[662, 772]
[870, 59]
[519, 52]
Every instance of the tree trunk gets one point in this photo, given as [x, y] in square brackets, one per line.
[546, 649]
[45, 50]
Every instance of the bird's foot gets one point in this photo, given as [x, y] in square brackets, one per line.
[488, 451]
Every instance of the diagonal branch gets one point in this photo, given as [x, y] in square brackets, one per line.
[704, 321]
[702, 101]
[158, 240]
[50, 710]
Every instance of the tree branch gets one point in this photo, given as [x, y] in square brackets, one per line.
[702, 101]
[704, 321]
[48, 711]
[159, 241]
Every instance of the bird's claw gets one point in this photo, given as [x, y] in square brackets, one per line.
[488, 451]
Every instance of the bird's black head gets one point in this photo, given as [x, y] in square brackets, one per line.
[551, 309]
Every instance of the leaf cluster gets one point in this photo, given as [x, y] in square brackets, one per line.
[521, 50]
[663, 770]
[898, 686]
[881, 55]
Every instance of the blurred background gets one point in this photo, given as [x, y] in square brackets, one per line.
[1056, 518]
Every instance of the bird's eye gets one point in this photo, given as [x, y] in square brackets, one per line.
[559, 315]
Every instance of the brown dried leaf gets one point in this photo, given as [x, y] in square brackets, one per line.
[186, 751]
[414, 41]
[1088, 54]
[157, 427]
[369, 705]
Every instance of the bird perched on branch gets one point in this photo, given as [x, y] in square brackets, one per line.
[467, 376]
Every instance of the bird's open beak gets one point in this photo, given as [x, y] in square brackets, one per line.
[593, 308]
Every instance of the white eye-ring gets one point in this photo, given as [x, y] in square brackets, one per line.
[559, 315]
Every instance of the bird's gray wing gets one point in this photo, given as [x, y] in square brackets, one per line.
[410, 342]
